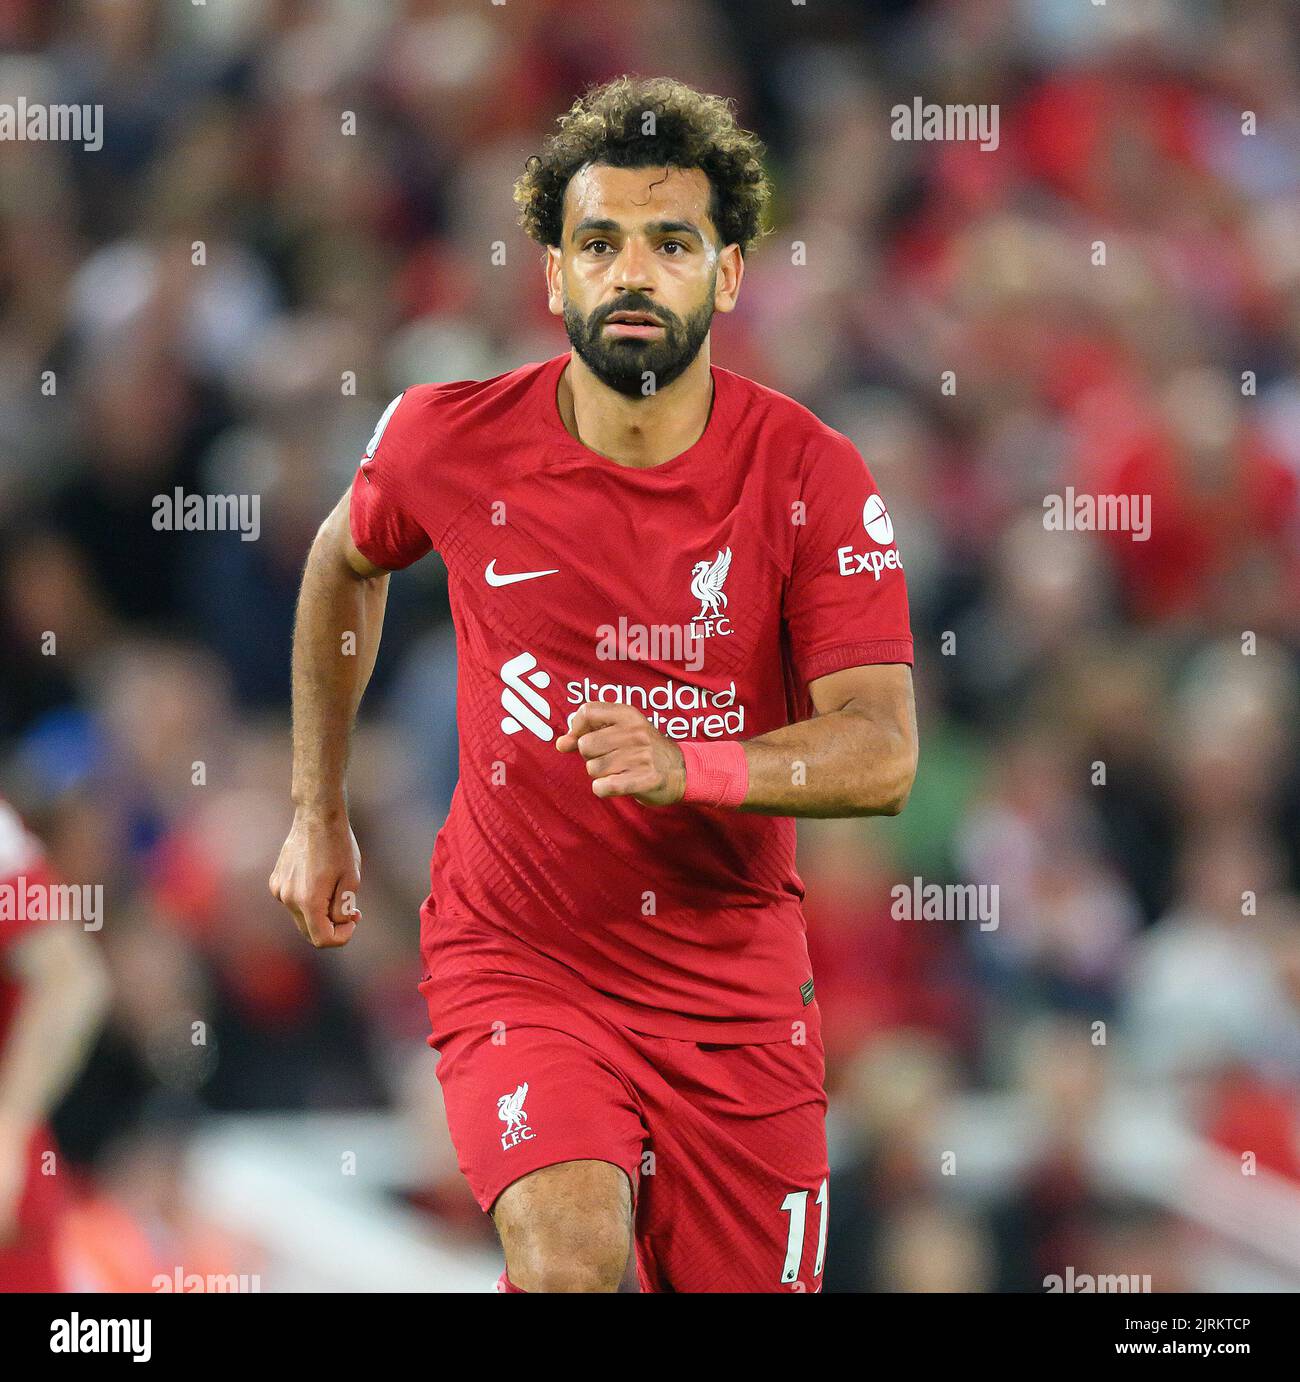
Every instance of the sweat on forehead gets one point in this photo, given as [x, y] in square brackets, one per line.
[633, 194]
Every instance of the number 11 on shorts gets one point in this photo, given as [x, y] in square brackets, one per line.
[795, 1205]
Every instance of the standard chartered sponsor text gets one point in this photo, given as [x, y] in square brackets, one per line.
[678, 709]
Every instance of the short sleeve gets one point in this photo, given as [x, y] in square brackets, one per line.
[846, 601]
[383, 526]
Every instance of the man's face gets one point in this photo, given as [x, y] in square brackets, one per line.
[638, 243]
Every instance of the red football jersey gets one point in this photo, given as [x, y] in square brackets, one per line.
[707, 591]
[22, 866]
[30, 1262]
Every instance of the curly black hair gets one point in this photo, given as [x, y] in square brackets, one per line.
[690, 129]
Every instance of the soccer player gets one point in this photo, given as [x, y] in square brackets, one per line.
[681, 621]
[53, 995]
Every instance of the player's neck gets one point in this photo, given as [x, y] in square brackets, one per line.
[636, 432]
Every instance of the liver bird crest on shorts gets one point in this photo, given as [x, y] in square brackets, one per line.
[510, 1108]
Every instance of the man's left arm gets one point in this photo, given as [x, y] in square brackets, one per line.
[855, 757]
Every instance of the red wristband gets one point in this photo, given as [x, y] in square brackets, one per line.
[716, 774]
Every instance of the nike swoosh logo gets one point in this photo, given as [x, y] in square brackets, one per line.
[490, 575]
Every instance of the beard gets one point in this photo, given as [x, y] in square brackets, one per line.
[623, 362]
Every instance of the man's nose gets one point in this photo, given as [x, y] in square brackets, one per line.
[632, 272]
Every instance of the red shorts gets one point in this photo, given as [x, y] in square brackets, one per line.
[724, 1145]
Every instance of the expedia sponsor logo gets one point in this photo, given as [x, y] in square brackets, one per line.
[852, 562]
[877, 522]
[880, 529]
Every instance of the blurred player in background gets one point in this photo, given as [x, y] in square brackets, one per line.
[616, 966]
[53, 996]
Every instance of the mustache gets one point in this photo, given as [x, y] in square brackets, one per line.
[633, 304]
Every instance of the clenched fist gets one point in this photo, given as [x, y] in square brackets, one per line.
[318, 875]
[626, 755]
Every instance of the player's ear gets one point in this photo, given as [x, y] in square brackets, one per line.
[731, 269]
[554, 268]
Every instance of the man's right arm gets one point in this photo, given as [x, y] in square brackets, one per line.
[335, 642]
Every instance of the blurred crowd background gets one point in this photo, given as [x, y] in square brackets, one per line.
[1108, 727]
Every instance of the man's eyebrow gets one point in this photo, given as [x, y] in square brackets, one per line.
[653, 227]
[595, 223]
[675, 228]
